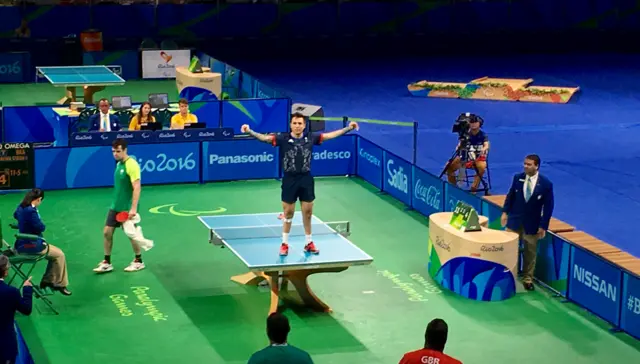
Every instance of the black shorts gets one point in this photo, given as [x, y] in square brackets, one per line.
[111, 219]
[298, 187]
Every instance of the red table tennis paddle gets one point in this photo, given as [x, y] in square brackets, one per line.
[122, 216]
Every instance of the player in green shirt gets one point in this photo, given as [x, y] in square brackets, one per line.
[127, 189]
[279, 351]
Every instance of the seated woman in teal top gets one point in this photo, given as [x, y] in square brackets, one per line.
[29, 222]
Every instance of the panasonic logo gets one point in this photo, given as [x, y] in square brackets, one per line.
[241, 159]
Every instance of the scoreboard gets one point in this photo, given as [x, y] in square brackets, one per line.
[16, 166]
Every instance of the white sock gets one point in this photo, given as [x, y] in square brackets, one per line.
[308, 238]
[285, 238]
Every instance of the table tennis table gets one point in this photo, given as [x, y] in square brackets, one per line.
[91, 78]
[255, 239]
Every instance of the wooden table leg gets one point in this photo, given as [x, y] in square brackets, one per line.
[298, 278]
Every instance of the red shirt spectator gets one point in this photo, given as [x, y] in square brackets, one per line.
[428, 356]
[435, 339]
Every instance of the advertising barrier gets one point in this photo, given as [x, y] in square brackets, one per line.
[15, 67]
[81, 167]
[335, 157]
[630, 315]
[147, 137]
[239, 159]
[595, 284]
[428, 197]
[397, 178]
[369, 162]
[552, 262]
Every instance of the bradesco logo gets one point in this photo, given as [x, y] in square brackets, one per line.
[397, 178]
[264, 157]
[369, 157]
[326, 155]
[164, 163]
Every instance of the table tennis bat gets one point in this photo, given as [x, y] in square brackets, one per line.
[122, 216]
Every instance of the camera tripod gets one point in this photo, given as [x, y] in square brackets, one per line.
[475, 168]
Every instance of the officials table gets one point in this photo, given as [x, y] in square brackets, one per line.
[480, 265]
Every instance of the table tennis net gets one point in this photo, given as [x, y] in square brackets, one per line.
[275, 231]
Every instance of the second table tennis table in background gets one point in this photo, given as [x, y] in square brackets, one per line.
[255, 239]
[91, 78]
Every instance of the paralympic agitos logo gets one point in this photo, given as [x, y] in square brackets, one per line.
[171, 209]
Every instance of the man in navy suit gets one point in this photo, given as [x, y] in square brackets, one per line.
[10, 302]
[527, 211]
[103, 121]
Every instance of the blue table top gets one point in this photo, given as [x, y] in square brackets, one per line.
[81, 75]
[259, 250]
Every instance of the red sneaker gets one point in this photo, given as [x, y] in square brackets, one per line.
[284, 249]
[311, 248]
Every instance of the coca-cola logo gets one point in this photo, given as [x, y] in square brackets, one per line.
[430, 195]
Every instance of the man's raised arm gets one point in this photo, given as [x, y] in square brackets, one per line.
[339, 132]
[261, 137]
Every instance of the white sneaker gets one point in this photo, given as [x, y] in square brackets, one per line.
[134, 267]
[103, 267]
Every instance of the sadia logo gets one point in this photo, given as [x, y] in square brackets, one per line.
[241, 159]
[369, 157]
[429, 195]
[326, 155]
[162, 163]
[397, 177]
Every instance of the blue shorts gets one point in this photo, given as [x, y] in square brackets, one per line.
[298, 187]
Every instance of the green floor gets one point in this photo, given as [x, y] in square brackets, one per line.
[183, 307]
[32, 94]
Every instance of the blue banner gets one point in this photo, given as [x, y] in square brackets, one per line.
[595, 285]
[369, 163]
[239, 160]
[552, 262]
[493, 213]
[397, 178]
[630, 316]
[263, 116]
[334, 157]
[453, 194]
[148, 137]
[428, 196]
[15, 67]
[62, 168]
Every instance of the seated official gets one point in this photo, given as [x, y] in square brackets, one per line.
[473, 154]
[143, 117]
[279, 350]
[10, 302]
[29, 222]
[183, 117]
[103, 121]
[435, 339]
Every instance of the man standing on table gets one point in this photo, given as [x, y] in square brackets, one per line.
[127, 190]
[296, 149]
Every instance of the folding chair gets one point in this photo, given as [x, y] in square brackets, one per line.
[18, 261]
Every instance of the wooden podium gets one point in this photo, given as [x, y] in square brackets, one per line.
[480, 265]
[206, 80]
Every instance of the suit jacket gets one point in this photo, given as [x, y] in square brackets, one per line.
[94, 122]
[532, 214]
[10, 302]
[29, 222]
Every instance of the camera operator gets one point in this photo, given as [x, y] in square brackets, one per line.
[472, 149]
